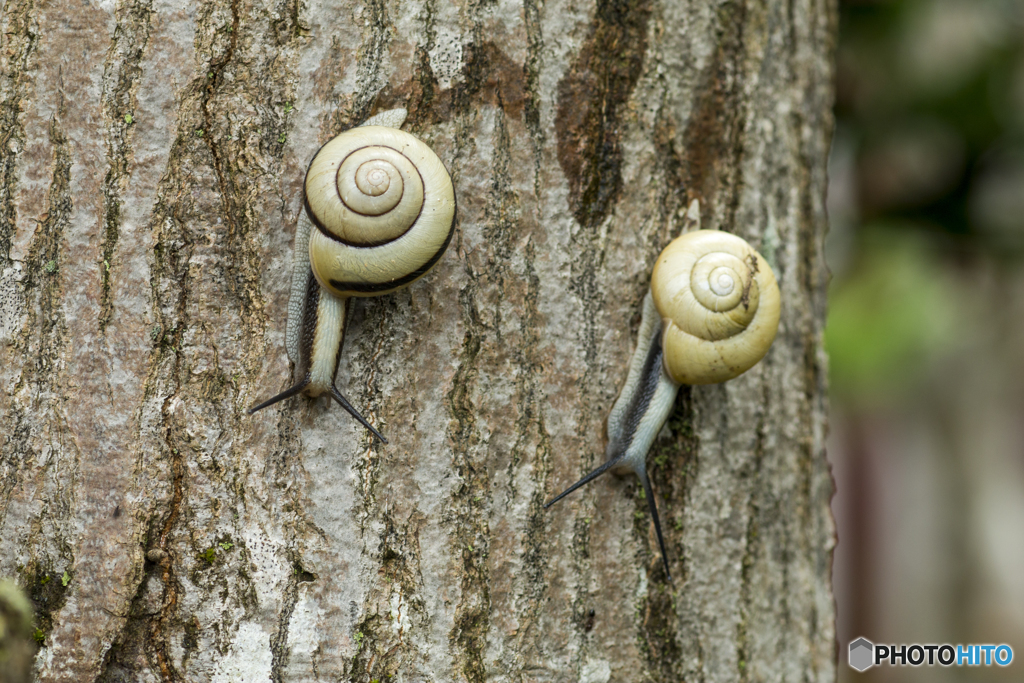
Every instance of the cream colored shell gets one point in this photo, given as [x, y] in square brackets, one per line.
[384, 206]
[719, 305]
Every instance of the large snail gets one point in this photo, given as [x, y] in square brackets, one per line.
[710, 315]
[378, 212]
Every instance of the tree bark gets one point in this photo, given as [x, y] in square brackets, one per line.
[149, 189]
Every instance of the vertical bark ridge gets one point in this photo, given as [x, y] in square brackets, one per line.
[532, 17]
[42, 377]
[714, 134]
[279, 639]
[373, 56]
[495, 285]
[120, 84]
[19, 41]
[464, 518]
[45, 258]
[174, 246]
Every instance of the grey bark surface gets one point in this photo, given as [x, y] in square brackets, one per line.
[151, 162]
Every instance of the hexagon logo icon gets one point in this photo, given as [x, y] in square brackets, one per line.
[862, 654]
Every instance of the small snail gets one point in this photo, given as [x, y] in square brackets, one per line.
[711, 314]
[383, 208]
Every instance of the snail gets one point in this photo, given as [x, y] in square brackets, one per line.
[378, 212]
[711, 314]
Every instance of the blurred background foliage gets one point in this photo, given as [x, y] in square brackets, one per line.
[926, 328]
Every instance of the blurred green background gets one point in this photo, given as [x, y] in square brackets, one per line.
[926, 329]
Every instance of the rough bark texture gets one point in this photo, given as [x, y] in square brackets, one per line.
[151, 160]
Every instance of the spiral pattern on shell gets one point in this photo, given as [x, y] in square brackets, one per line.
[384, 208]
[719, 304]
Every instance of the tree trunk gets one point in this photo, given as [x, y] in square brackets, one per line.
[152, 162]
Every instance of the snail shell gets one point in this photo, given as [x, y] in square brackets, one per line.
[719, 305]
[384, 207]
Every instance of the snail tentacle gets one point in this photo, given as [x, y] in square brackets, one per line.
[607, 465]
[287, 393]
[343, 402]
[646, 482]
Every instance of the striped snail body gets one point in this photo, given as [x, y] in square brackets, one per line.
[378, 212]
[711, 314]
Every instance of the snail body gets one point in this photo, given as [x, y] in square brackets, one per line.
[710, 315]
[378, 212]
